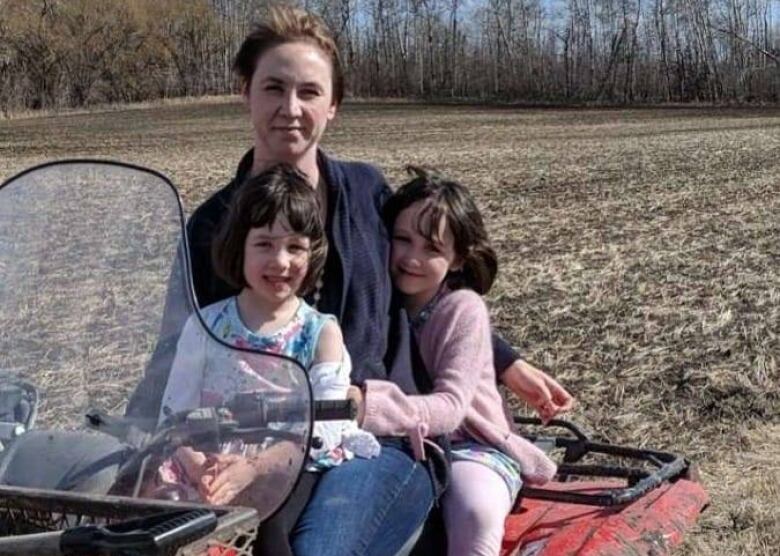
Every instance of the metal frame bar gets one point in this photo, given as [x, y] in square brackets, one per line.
[668, 467]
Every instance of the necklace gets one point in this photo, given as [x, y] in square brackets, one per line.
[418, 320]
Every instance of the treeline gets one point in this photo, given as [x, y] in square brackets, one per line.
[57, 53]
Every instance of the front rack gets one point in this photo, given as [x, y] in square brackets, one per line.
[26, 511]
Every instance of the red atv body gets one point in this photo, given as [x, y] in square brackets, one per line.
[646, 512]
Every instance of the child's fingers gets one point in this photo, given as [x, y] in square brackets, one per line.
[568, 405]
[547, 411]
[550, 410]
[537, 393]
[222, 495]
[559, 395]
[219, 481]
[223, 460]
[563, 400]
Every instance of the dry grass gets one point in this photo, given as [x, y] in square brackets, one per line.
[639, 248]
[102, 108]
[83, 285]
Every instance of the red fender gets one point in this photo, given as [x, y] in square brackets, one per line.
[652, 525]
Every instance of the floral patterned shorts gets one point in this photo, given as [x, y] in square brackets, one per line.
[507, 468]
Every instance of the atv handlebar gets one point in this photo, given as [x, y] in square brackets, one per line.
[258, 409]
[244, 414]
[246, 417]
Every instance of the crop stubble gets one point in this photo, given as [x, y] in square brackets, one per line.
[639, 256]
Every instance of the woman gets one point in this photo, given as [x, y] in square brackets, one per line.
[292, 84]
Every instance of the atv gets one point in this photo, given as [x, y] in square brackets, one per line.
[95, 288]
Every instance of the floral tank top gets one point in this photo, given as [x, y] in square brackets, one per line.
[205, 374]
[296, 339]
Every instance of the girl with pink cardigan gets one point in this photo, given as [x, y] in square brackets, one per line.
[442, 261]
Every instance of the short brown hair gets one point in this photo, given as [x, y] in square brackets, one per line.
[449, 199]
[282, 190]
[286, 24]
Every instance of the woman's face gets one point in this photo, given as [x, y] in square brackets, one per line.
[290, 100]
[418, 265]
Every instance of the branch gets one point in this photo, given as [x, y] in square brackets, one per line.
[774, 57]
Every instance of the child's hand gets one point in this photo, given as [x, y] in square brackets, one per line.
[356, 394]
[193, 462]
[227, 477]
[538, 389]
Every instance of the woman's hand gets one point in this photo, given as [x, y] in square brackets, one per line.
[355, 393]
[537, 389]
[227, 477]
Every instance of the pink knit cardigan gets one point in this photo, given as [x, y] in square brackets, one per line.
[455, 345]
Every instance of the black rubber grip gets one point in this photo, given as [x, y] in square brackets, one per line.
[335, 410]
[259, 409]
[155, 534]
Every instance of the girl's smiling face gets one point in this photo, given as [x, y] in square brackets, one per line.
[276, 261]
[419, 264]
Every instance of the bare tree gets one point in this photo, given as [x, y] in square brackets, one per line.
[56, 53]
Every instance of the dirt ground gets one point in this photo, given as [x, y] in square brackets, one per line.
[640, 256]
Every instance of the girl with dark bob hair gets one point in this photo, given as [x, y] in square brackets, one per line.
[281, 192]
[442, 262]
[271, 246]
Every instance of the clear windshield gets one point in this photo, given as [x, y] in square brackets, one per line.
[94, 293]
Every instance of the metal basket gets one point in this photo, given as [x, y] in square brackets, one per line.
[26, 510]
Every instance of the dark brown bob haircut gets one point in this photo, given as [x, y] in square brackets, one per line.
[280, 191]
[450, 200]
[286, 24]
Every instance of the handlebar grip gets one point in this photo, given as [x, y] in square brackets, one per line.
[335, 410]
[156, 534]
[259, 409]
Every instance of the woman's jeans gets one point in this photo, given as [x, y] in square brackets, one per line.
[365, 507]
